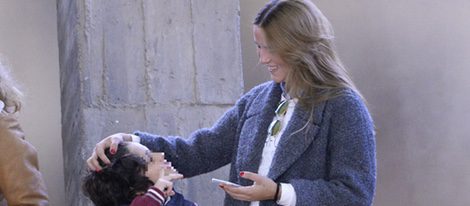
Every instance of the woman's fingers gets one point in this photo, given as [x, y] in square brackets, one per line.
[99, 151]
[112, 142]
[263, 188]
[239, 193]
[251, 176]
[92, 163]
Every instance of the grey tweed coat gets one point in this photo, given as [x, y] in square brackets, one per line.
[330, 162]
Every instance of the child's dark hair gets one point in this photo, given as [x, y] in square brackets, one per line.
[119, 182]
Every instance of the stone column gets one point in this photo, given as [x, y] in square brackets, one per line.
[162, 66]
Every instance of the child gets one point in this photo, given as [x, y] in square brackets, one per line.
[135, 177]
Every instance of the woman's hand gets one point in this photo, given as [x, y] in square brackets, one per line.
[262, 189]
[112, 142]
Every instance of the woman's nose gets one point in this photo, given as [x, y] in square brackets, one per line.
[264, 57]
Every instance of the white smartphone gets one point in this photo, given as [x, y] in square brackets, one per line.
[218, 181]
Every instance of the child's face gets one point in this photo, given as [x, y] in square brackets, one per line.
[155, 167]
[156, 161]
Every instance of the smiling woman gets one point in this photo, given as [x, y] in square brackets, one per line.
[276, 65]
[304, 138]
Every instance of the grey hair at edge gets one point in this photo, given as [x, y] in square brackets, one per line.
[10, 93]
[299, 32]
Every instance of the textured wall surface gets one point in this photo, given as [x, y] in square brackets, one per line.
[167, 67]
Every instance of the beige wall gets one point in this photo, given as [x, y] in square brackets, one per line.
[28, 40]
[410, 58]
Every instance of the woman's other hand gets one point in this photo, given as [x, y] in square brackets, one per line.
[112, 142]
[262, 189]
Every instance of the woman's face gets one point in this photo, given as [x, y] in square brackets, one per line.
[156, 161]
[276, 66]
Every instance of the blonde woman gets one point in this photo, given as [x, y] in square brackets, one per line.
[21, 182]
[305, 138]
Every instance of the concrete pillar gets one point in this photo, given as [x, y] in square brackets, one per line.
[167, 67]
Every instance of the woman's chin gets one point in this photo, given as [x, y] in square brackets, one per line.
[276, 79]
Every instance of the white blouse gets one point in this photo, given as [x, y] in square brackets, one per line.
[288, 196]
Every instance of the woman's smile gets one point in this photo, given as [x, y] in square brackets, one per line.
[272, 68]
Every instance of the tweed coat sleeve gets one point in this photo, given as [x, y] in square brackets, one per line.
[350, 165]
[206, 149]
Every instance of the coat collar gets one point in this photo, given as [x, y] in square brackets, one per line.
[297, 137]
[262, 109]
[293, 141]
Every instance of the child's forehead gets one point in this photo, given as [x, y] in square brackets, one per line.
[159, 156]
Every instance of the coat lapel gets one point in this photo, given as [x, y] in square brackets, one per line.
[251, 147]
[294, 141]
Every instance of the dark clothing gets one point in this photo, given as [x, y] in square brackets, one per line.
[154, 197]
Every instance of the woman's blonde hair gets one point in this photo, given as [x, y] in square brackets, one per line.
[9, 92]
[303, 37]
